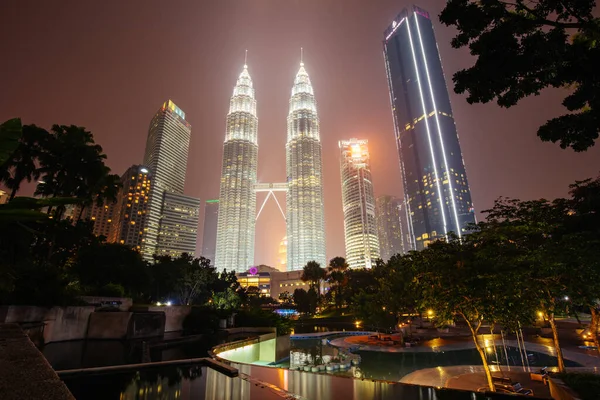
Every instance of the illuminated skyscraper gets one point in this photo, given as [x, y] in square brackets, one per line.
[237, 201]
[360, 228]
[132, 207]
[209, 235]
[436, 191]
[166, 157]
[305, 220]
[388, 211]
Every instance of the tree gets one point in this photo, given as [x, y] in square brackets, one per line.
[73, 166]
[188, 279]
[21, 164]
[314, 274]
[523, 47]
[103, 265]
[306, 301]
[226, 302]
[337, 278]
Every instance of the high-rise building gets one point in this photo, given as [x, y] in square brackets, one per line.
[166, 158]
[436, 191]
[305, 215]
[237, 199]
[209, 234]
[389, 226]
[132, 207]
[178, 225]
[360, 227]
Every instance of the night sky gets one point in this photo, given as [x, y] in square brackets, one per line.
[109, 66]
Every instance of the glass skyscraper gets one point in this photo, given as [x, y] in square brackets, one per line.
[436, 191]
[166, 158]
[358, 202]
[237, 199]
[305, 214]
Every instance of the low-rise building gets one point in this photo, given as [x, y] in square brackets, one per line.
[271, 282]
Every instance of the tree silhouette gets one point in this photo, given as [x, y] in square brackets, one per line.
[523, 47]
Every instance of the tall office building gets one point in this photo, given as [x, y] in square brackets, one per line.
[178, 228]
[166, 157]
[305, 215]
[237, 200]
[132, 207]
[209, 234]
[360, 227]
[389, 226]
[436, 191]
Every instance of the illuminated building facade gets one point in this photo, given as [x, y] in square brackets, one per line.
[388, 211]
[209, 233]
[358, 201]
[304, 214]
[436, 191]
[237, 199]
[132, 207]
[178, 225]
[166, 158]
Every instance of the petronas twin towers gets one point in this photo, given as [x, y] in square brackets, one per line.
[304, 197]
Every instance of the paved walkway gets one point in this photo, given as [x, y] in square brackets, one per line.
[24, 372]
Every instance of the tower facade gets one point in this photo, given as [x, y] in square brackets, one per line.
[360, 228]
[209, 233]
[304, 213]
[389, 226]
[237, 200]
[437, 195]
[166, 158]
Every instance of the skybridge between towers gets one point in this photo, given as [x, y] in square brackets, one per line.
[271, 188]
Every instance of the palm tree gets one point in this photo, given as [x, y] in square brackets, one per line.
[314, 274]
[74, 166]
[336, 277]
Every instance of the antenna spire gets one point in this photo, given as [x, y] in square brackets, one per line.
[246, 59]
[301, 57]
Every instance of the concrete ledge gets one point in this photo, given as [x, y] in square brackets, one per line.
[24, 372]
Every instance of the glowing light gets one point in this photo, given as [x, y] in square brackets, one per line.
[158, 303]
[253, 271]
[144, 170]
[168, 303]
[430, 312]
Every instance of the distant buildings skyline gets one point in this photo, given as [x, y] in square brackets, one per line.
[436, 191]
[358, 203]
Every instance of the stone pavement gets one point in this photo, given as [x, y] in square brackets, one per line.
[24, 372]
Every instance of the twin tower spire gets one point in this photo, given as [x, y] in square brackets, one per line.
[304, 194]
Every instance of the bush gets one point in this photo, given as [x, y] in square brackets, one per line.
[262, 318]
[587, 386]
[201, 320]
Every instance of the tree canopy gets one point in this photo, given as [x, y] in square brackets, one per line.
[523, 47]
